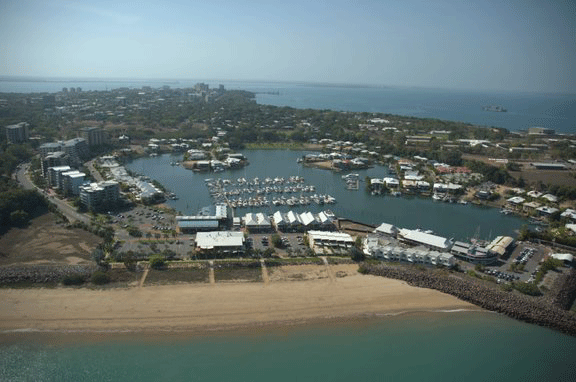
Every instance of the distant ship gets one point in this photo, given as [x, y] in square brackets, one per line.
[496, 108]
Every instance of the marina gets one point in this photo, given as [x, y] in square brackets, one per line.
[411, 211]
[243, 193]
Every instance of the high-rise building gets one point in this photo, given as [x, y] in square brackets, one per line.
[101, 195]
[93, 135]
[17, 133]
[54, 159]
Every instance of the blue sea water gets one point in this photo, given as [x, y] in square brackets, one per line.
[454, 346]
[555, 111]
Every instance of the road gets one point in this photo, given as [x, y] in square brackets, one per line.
[68, 211]
[95, 173]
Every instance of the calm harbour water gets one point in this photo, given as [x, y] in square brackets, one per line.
[451, 220]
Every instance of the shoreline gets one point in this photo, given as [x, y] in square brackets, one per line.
[254, 329]
[223, 307]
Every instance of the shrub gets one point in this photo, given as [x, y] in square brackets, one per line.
[75, 279]
[100, 278]
[530, 289]
[157, 261]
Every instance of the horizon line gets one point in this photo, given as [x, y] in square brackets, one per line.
[48, 79]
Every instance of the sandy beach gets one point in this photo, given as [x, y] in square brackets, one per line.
[313, 294]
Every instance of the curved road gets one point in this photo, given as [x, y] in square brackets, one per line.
[65, 208]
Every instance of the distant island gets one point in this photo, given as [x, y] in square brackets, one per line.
[495, 108]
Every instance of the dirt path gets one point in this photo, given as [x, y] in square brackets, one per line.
[328, 270]
[211, 274]
[265, 276]
[143, 278]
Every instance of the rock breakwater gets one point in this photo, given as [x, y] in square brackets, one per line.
[43, 274]
[513, 305]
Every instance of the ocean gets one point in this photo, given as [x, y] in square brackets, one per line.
[441, 346]
[525, 109]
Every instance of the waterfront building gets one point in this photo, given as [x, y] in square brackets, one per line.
[473, 253]
[426, 239]
[280, 221]
[551, 198]
[200, 223]
[229, 242]
[257, 222]
[387, 229]
[500, 245]
[388, 252]
[515, 201]
[294, 222]
[326, 219]
[546, 211]
[327, 239]
[530, 206]
[17, 133]
[100, 196]
[569, 213]
[309, 221]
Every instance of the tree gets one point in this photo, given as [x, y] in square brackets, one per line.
[276, 240]
[356, 254]
[98, 256]
[19, 218]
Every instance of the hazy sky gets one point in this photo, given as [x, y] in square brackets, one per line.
[481, 44]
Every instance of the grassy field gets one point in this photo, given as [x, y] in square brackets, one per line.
[182, 275]
[45, 242]
[238, 274]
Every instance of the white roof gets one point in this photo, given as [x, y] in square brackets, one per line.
[279, 218]
[210, 240]
[534, 194]
[547, 210]
[386, 228]
[327, 235]
[570, 213]
[550, 198]
[425, 238]
[563, 256]
[293, 218]
[516, 200]
[307, 218]
[571, 227]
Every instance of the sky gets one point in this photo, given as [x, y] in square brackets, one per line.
[526, 45]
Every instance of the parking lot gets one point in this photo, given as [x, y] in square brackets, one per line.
[525, 258]
[292, 242]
